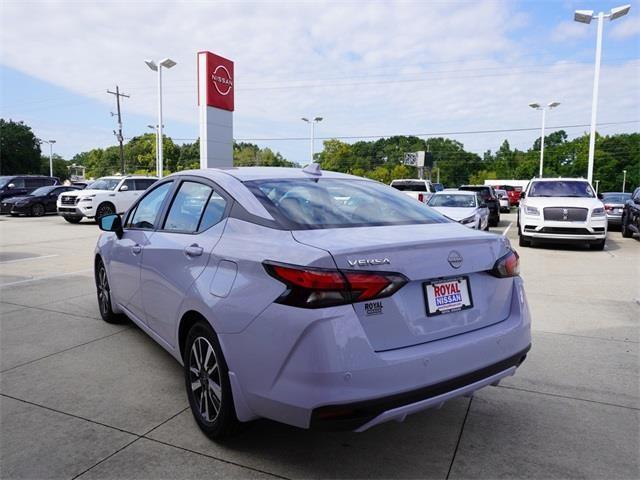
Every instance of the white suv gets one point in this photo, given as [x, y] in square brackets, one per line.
[561, 210]
[105, 196]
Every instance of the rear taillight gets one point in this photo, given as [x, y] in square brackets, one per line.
[318, 287]
[608, 208]
[507, 266]
[421, 197]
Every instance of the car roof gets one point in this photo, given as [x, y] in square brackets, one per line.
[456, 192]
[559, 179]
[263, 173]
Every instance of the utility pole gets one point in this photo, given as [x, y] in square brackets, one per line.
[119, 133]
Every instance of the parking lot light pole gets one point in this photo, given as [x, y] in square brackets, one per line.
[624, 180]
[312, 122]
[166, 63]
[585, 16]
[50, 142]
[537, 106]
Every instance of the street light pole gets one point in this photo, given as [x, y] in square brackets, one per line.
[312, 122]
[585, 16]
[537, 106]
[50, 142]
[624, 180]
[166, 63]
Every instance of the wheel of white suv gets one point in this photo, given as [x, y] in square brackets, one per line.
[207, 381]
[104, 209]
[523, 241]
[597, 246]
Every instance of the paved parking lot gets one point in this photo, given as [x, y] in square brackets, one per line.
[82, 398]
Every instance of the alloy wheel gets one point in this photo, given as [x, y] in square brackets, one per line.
[204, 376]
[103, 291]
[37, 210]
[103, 210]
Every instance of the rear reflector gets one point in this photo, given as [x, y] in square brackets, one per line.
[318, 287]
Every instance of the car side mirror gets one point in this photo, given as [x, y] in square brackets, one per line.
[11, 185]
[522, 195]
[600, 196]
[111, 223]
[636, 201]
[124, 188]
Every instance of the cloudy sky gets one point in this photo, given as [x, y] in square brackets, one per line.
[370, 68]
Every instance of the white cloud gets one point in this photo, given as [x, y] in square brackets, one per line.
[570, 31]
[409, 66]
[627, 27]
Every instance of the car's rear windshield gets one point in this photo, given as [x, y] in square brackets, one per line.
[304, 204]
[409, 186]
[452, 200]
[559, 188]
[616, 197]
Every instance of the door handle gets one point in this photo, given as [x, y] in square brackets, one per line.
[194, 250]
[136, 249]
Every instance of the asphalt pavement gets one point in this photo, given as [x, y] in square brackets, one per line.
[80, 398]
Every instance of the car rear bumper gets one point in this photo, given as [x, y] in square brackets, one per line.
[332, 378]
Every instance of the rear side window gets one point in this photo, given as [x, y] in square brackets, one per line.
[188, 206]
[17, 182]
[144, 183]
[145, 214]
[306, 204]
[129, 183]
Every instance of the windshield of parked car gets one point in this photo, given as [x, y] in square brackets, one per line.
[303, 204]
[409, 186]
[615, 197]
[452, 200]
[105, 184]
[4, 181]
[42, 191]
[561, 189]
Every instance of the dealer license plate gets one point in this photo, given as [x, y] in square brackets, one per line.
[446, 296]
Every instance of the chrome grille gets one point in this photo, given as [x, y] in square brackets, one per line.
[566, 214]
[68, 200]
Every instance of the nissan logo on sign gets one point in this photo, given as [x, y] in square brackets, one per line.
[222, 80]
[219, 84]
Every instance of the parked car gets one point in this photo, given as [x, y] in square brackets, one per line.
[513, 187]
[421, 190]
[82, 184]
[464, 207]
[489, 197]
[106, 195]
[562, 210]
[285, 302]
[16, 185]
[613, 206]
[630, 222]
[39, 202]
[503, 198]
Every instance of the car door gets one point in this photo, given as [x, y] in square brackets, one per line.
[179, 251]
[19, 187]
[127, 195]
[127, 252]
[52, 197]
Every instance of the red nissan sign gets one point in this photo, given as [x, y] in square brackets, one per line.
[220, 81]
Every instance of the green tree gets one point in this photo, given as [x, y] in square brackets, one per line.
[60, 169]
[19, 149]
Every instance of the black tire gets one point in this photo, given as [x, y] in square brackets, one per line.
[597, 246]
[200, 372]
[104, 209]
[37, 210]
[624, 229]
[523, 241]
[72, 219]
[104, 295]
[486, 229]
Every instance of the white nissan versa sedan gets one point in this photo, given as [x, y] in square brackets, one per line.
[561, 210]
[317, 299]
